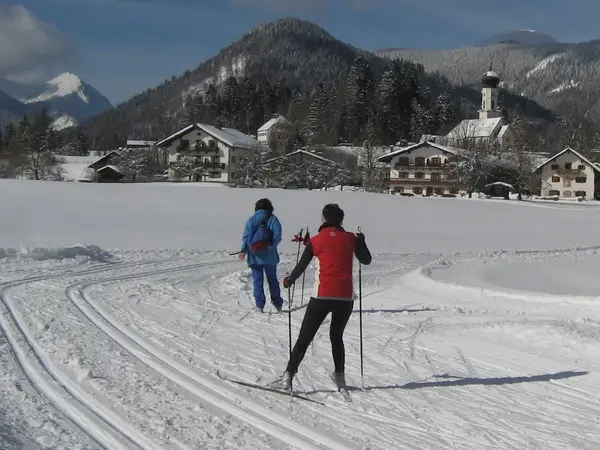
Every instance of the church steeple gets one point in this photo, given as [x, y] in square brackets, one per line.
[489, 95]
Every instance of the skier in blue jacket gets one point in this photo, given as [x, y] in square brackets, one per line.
[264, 264]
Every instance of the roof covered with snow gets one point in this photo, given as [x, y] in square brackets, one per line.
[576, 153]
[274, 121]
[476, 128]
[304, 152]
[228, 136]
[443, 148]
[139, 143]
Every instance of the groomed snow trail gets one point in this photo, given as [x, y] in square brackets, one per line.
[128, 351]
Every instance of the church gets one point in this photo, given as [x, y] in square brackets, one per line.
[489, 128]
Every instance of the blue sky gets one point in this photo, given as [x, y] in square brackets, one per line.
[123, 47]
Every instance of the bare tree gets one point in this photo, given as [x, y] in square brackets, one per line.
[139, 163]
[187, 167]
[373, 172]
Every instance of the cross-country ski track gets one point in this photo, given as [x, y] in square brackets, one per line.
[128, 351]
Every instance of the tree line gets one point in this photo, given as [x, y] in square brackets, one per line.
[397, 107]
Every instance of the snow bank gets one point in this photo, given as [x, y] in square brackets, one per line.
[148, 216]
[90, 252]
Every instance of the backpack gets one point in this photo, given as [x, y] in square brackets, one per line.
[261, 238]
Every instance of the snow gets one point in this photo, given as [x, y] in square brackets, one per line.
[475, 128]
[544, 63]
[63, 85]
[76, 167]
[119, 302]
[64, 122]
[566, 85]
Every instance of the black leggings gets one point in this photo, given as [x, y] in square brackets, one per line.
[316, 312]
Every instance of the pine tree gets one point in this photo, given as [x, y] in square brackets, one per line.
[358, 97]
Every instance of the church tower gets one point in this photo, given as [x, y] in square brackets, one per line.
[490, 109]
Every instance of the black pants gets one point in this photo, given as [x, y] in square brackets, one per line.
[316, 312]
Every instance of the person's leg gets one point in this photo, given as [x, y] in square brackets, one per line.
[259, 292]
[274, 289]
[313, 318]
[340, 313]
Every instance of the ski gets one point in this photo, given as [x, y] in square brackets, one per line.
[268, 389]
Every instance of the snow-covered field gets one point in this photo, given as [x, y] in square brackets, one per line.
[120, 303]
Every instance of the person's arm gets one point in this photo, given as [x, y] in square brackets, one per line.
[305, 259]
[361, 250]
[246, 235]
[277, 230]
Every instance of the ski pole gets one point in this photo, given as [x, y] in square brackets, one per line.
[290, 296]
[299, 239]
[306, 242]
[362, 375]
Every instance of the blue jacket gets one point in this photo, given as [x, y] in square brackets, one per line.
[272, 257]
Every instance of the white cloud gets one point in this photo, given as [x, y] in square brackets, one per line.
[30, 48]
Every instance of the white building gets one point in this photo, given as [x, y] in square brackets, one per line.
[421, 169]
[569, 174]
[277, 128]
[218, 151]
[489, 128]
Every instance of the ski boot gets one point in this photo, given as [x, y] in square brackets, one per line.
[339, 379]
[283, 383]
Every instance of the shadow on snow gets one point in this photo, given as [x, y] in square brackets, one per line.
[461, 381]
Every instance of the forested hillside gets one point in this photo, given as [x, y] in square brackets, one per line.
[333, 91]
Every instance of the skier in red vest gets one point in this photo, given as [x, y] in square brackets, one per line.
[334, 250]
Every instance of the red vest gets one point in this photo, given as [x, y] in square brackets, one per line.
[334, 254]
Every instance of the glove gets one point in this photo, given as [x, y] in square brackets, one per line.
[287, 283]
[360, 237]
[242, 256]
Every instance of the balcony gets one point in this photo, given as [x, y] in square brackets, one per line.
[202, 147]
[213, 166]
[420, 181]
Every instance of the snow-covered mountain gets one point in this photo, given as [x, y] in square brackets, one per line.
[549, 73]
[519, 37]
[68, 99]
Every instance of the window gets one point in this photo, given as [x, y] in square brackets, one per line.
[580, 179]
[436, 176]
[215, 175]
[556, 179]
[568, 166]
[417, 190]
[435, 161]
[439, 191]
[581, 167]
[554, 166]
[567, 194]
[399, 189]
[579, 193]
[420, 161]
[233, 159]
[403, 174]
[419, 175]
[402, 162]
[554, 193]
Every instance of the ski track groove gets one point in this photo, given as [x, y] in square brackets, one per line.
[47, 380]
[226, 399]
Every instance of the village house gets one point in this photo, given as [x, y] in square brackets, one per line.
[306, 169]
[569, 174]
[217, 152]
[490, 128]
[105, 169]
[421, 169]
[275, 132]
